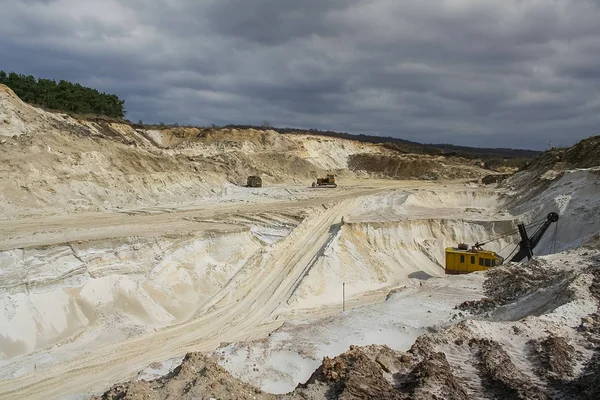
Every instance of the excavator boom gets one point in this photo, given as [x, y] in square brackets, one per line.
[462, 260]
[528, 244]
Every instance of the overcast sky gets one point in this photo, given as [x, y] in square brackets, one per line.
[492, 73]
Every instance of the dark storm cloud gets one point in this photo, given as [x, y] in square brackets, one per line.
[273, 22]
[487, 73]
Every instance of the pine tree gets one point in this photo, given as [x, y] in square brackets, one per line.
[63, 96]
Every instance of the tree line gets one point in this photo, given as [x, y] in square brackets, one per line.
[63, 96]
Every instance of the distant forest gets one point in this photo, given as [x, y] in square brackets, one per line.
[63, 96]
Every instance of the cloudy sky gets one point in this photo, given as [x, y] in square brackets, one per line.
[493, 73]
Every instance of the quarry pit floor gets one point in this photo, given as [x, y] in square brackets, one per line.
[295, 277]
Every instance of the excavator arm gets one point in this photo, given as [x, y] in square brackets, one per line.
[528, 244]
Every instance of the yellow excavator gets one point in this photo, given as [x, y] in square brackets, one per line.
[462, 260]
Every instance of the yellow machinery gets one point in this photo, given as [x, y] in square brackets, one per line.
[328, 182]
[460, 260]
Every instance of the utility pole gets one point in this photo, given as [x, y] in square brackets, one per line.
[343, 296]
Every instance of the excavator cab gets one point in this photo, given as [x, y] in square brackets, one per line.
[463, 261]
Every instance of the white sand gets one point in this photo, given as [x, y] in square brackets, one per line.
[115, 254]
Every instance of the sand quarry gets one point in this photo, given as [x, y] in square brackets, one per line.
[123, 249]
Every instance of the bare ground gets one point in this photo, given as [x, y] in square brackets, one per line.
[456, 362]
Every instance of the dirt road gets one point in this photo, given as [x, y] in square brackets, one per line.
[56, 229]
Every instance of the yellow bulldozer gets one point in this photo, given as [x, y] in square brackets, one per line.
[328, 182]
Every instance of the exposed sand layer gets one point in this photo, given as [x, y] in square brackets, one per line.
[52, 163]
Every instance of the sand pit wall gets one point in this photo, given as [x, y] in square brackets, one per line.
[52, 294]
[96, 167]
[461, 199]
[456, 204]
[369, 256]
[573, 194]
